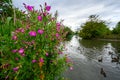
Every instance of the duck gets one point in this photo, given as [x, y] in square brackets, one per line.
[100, 60]
[115, 59]
[110, 53]
[102, 72]
[106, 46]
[78, 48]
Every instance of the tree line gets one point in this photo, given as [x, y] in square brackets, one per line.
[94, 28]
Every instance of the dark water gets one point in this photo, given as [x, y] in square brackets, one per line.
[89, 56]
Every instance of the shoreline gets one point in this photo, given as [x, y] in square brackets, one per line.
[109, 39]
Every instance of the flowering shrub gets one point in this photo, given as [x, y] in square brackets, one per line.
[34, 50]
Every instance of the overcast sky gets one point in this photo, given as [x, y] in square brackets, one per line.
[76, 12]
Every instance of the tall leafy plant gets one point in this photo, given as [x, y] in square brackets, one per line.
[34, 52]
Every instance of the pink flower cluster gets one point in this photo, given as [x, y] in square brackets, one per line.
[41, 60]
[39, 18]
[57, 35]
[33, 61]
[33, 33]
[58, 26]
[46, 54]
[14, 37]
[20, 30]
[48, 8]
[40, 31]
[15, 69]
[14, 51]
[20, 51]
[30, 8]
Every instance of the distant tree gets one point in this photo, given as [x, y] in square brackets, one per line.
[69, 33]
[7, 11]
[94, 28]
[116, 30]
[6, 8]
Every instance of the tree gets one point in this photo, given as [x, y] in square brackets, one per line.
[6, 8]
[94, 28]
[69, 33]
[116, 30]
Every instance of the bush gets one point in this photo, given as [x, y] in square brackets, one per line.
[34, 52]
[94, 28]
[69, 33]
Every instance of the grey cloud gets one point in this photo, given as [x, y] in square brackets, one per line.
[76, 12]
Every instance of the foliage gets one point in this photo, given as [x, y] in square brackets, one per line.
[33, 51]
[7, 11]
[6, 8]
[112, 35]
[11, 23]
[69, 33]
[94, 28]
[116, 30]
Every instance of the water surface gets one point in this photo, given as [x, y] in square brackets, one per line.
[89, 56]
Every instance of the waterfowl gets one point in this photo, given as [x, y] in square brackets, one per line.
[100, 60]
[110, 52]
[78, 48]
[115, 59]
[102, 72]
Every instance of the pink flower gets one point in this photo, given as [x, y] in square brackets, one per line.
[60, 52]
[67, 60]
[22, 30]
[46, 54]
[27, 26]
[30, 8]
[32, 33]
[48, 8]
[14, 51]
[33, 61]
[58, 28]
[16, 59]
[14, 37]
[23, 54]
[39, 18]
[33, 42]
[21, 51]
[45, 13]
[15, 69]
[6, 77]
[57, 35]
[41, 60]
[71, 68]
[40, 31]
[58, 24]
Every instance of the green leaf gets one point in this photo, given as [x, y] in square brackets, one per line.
[8, 19]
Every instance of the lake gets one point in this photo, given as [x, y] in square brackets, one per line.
[93, 59]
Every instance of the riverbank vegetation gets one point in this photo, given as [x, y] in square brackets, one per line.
[5, 9]
[95, 28]
[30, 45]
[69, 33]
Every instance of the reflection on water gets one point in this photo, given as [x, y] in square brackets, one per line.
[93, 59]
